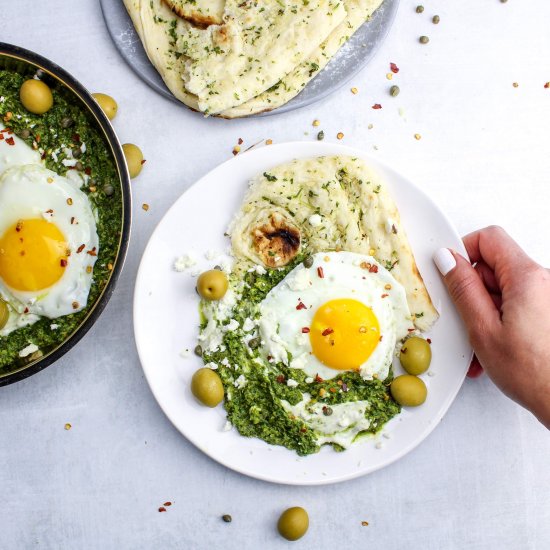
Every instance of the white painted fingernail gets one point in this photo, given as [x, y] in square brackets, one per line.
[444, 261]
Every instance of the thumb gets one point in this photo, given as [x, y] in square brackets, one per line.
[467, 291]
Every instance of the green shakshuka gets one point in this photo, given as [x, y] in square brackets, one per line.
[60, 217]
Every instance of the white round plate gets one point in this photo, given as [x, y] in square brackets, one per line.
[166, 322]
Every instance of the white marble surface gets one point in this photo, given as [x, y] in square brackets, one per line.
[481, 480]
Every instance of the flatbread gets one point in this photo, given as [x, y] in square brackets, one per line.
[199, 12]
[336, 203]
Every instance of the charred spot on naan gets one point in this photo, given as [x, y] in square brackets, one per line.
[195, 16]
[277, 242]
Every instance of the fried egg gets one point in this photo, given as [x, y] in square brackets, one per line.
[344, 313]
[48, 240]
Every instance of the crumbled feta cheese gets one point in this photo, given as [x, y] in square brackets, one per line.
[231, 326]
[379, 445]
[315, 220]
[240, 382]
[309, 380]
[259, 269]
[387, 435]
[431, 373]
[185, 353]
[185, 261]
[54, 326]
[211, 365]
[248, 324]
[344, 422]
[291, 383]
[225, 362]
[31, 348]
[210, 254]
[227, 426]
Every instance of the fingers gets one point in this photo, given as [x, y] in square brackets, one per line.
[468, 292]
[494, 247]
[487, 276]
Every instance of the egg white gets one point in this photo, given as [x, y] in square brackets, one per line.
[32, 191]
[281, 323]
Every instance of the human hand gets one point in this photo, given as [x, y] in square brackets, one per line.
[504, 301]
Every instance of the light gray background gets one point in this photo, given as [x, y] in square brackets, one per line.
[481, 480]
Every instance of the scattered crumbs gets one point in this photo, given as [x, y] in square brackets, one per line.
[417, 137]
[515, 84]
[354, 91]
[365, 523]
[240, 141]
[145, 206]
[268, 141]
[375, 147]
[162, 509]
[185, 261]
[379, 445]
[389, 76]
[377, 106]
[370, 126]
[236, 150]
[401, 112]
[394, 68]
[431, 373]
[547, 85]
[68, 426]
[387, 435]
[316, 122]
[185, 353]
[227, 426]
[168, 503]
[340, 135]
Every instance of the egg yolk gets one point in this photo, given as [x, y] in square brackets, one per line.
[33, 255]
[344, 333]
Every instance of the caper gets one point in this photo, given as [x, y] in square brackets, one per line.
[321, 135]
[77, 152]
[108, 104]
[198, 350]
[308, 262]
[108, 189]
[79, 166]
[423, 39]
[25, 133]
[435, 19]
[394, 91]
[293, 523]
[207, 387]
[67, 122]
[254, 343]
[36, 96]
[419, 9]
[4, 314]
[327, 411]
[134, 159]
[227, 518]
[212, 284]
[416, 355]
[408, 390]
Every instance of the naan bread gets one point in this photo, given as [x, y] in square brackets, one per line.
[336, 203]
[159, 28]
[199, 12]
[257, 44]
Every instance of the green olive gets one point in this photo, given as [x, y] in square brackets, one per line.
[108, 105]
[212, 285]
[293, 523]
[207, 387]
[4, 314]
[416, 355]
[36, 96]
[134, 159]
[409, 390]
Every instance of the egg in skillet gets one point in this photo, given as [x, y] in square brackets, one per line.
[343, 313]
[48, 240]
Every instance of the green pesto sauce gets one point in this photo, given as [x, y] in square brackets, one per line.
[48, 135]
[255, 409]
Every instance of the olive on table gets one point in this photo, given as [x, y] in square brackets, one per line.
[416, 355]
[108, 104]
[4, 314]
[409, 390]
[293, 523]
[212, 285]
[36, 96]
[134, 159]
[207, 387]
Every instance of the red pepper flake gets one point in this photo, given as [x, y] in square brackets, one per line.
[320, 272]
[26, 310]
[92, 252]
[240, 141]
[411, 329]
[37, 138]
[318, 379]
[75, 137]
[373, 268]
[143, 161]
[332, 390]
[305, 330]
[547, 85]
[1, 137]
[280, 379]
[72, 220]
[63, 263]
[385, 295]
[162, 509]
[403, 350]
[429, 340]
[43, 155]
[327, 331]
[10, 141]
[381, 337]
[394, 68]
[301, 305]
[80, 248]
[168, 503]
[377, 106]
[87, 170]
[303, 430]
